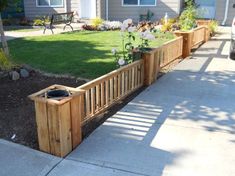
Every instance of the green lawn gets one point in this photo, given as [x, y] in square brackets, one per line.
[83, 54]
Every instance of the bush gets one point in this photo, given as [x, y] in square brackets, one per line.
[6, 22]
[112, 25]
[96, 22]
[169, 25]
[187, 19]
[23, 22]
[39, 21]
[5, 64]
[213, 25]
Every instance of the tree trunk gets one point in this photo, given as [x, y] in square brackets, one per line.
[3, 38]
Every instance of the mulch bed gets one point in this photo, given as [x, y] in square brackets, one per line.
[17, 115]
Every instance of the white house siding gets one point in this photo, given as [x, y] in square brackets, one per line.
[119, 12]
[32, 11]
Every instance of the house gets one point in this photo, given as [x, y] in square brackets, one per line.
[221, 10]
[106, 9]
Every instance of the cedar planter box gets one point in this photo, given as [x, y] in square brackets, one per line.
[202, 22]
[161, 57]
[58, 120]
[193, 38]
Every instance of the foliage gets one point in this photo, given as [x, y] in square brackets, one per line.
[5, 3]
[168, 25]
[187, 19]
[112, 25]
[128, 38]
[96, 22]
[40, 21]
[5, 64]
[147, 17]
[146, 25]
[213, 25]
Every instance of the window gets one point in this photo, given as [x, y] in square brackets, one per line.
[50, 3]
[139, 2]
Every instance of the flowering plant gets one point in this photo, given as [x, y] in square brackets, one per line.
[128, 38]
[145, 37]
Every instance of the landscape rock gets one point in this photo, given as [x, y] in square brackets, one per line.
[15, 75]
[24, 73]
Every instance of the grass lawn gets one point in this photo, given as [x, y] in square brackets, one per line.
[84, 54]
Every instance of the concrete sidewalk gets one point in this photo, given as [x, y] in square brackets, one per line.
[183, 125]
[17, 160]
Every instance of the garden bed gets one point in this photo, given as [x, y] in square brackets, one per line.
[17, 114]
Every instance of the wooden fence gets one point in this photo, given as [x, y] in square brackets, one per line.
[103, 92]
[60, 122]
[160, 57]
[198, 36]
[193, 38]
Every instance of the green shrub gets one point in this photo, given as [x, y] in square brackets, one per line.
[96, 22]
[187, 19]
[213, 25]
[167, 26]
[39, 21]
[5, 63]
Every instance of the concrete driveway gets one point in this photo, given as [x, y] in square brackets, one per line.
[183, 125]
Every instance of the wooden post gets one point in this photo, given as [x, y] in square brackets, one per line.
[151, 68]
[59, 121]
[207, 34]
[187, 42]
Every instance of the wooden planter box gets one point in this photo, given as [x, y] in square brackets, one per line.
[193, 38]
[160, 57]
[58, 121]
[202, 22]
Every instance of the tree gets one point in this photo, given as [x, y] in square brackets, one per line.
[3, 5]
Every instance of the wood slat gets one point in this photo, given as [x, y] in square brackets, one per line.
[102, 98]
[97, 91]
[88, 103]
[42, 126]
[92, 101]
[65, 129]
[111, 90]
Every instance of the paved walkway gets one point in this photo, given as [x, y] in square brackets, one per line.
[183, 125]
[10, 35]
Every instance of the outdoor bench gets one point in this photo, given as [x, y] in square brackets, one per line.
[59, 18]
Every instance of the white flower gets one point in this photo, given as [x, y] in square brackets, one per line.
[131, 29]
[114, 51]
[142, 34]
[123, 27]
[149, 36]
[121, 62]
[127, 21]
